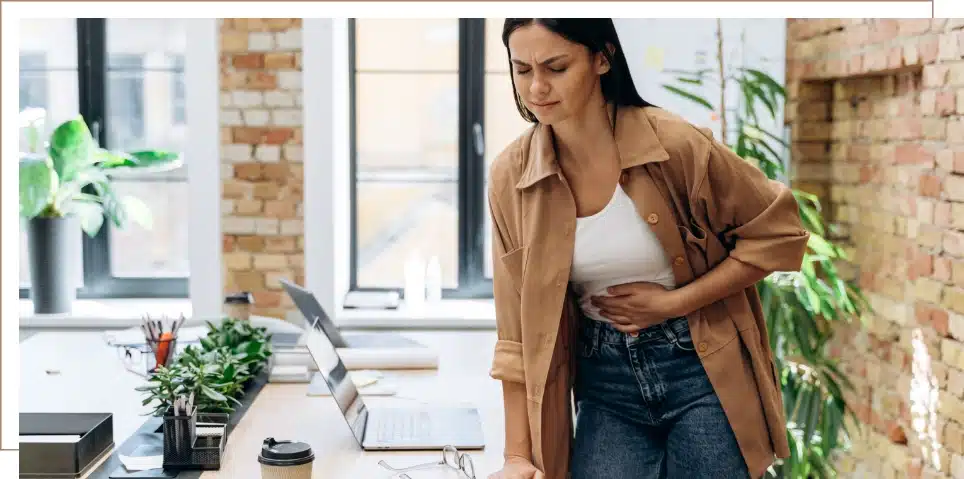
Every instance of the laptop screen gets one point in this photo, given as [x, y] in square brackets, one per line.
[333, 370]
[311, 309]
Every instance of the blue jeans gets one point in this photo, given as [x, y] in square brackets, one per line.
[646, 409]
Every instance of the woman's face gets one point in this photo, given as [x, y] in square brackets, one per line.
[555, 77]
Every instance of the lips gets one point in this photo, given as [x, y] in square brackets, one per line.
[543, 105]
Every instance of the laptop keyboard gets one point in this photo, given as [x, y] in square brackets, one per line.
[403, 425]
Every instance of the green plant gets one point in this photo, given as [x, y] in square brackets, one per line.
[70, 175]
[229, 357]
[252, 345]
[802, 307]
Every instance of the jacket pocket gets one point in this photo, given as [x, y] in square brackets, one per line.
[695, 240]
[515, 264]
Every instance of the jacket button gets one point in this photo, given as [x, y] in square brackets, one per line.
[679, 260]
[653, 218]
[703, 347]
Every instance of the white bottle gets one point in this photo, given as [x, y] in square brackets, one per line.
[433, 280]
[414, 280]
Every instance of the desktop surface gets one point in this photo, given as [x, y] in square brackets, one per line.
[54, 362]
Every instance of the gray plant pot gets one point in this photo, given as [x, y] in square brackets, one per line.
[51, 247]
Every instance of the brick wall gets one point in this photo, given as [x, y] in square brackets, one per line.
[261, 158]
[875, 110]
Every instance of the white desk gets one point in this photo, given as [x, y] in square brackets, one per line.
[92, 379]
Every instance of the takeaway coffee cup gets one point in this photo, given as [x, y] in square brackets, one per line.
[285, 459]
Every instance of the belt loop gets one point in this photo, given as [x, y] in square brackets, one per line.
[668, 332]
[596, 327]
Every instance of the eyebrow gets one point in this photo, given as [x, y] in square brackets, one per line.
[545, 62]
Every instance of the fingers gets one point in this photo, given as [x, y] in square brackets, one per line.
[626, 328]
[618, 319]
[610, 301]
[538, 475]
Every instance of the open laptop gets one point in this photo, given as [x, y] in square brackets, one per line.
[311, 309]
[391, 428]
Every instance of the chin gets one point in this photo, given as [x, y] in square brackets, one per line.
[549, 118]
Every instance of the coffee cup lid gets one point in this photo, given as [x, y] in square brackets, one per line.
[285, 453]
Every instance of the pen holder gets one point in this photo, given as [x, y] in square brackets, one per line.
[194, 442]
[162, 352]
[179, 436]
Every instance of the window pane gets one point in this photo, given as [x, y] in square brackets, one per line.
[48, 80]
[56, 38]
[406, 147]
[407, 45]
[163, 250]
[398, 219]
[145, 110]
[407, 142]
[407, 121]
[496, 58]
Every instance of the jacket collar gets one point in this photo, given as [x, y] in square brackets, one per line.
[635, 138]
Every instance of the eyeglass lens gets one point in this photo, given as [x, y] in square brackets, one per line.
[456, 460]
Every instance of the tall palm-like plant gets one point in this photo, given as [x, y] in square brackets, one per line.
[801, 307]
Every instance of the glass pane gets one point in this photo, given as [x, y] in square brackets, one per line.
[145, 110]
[496, 57]
[398, 219]
[54, 38]
[163, 250]
[406, 147]
[407, 45]
[48, 80]
[503, 124]
[407, 121]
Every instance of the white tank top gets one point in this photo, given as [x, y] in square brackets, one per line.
[616, 246]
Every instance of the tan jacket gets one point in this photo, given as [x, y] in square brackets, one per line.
[704, 203]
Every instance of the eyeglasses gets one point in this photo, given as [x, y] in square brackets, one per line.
[451, 457]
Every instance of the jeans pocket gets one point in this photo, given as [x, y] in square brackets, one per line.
[587, 346]
[684, 340]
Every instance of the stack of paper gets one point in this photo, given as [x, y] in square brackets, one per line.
[364, 358]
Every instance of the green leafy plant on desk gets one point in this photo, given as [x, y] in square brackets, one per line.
[229, 357]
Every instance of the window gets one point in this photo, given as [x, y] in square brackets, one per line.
[178, 92]
[431, 106]
[126, 77]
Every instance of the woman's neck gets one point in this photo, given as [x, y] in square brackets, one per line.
[583, 140]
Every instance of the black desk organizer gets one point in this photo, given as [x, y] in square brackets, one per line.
[184, 449]
[150, 435]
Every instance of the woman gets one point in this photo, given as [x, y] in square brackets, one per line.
[627, 245]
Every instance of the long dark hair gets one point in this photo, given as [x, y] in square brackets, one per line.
[597, 34]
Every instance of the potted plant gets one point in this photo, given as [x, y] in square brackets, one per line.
[65, 188]
[218, 372]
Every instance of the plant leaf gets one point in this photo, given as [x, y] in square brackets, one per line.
[90, 214]
[140, 160]
[72, 148]
[37, 184]
[137, 211]
[212, 394]
[689, 96]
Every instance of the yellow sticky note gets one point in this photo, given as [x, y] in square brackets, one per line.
[654, 57]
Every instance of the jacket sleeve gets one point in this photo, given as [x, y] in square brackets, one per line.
[756, 217]
[507, 361]
[507, 364]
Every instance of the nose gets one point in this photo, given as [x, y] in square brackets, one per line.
[539, 86]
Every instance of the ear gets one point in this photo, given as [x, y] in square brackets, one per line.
[601, 64]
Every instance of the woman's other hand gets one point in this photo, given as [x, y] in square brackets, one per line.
[517, 468]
